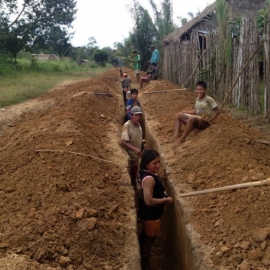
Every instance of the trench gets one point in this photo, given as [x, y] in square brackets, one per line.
[173, 250]
[177, 248]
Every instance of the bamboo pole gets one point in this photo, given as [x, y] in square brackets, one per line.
[79, 154]
[240, 73]
[264, 142]
[164, 91]
[189, 79]
[232, 187]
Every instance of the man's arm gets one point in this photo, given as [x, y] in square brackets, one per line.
[148, 191]
[216, 113]
[131, 147]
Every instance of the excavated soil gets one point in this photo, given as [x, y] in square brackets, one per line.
[232, 226]
[62, 208]
[66, 200]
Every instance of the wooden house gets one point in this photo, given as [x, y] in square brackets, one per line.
[198, 51]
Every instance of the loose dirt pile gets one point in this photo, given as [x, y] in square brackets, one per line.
[60, 209]
[235, 225]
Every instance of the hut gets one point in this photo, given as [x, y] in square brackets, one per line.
[198, 51]
[46, 57]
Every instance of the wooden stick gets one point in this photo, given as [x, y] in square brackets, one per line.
[76, 153]
[265, 142]
[93, 93]
[212, 190]
[164, 91]
[240, 73]
[194, 71]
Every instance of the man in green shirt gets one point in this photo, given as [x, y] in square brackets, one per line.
[137, 65]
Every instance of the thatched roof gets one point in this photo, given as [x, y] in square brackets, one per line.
[174, 36]
[246, 7]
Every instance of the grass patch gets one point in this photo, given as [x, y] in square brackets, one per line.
[25, 80]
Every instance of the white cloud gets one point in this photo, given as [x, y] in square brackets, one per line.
[110, 21]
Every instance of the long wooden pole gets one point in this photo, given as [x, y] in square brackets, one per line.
[232, 187]
[76, 153]
[189, 79]
[240, 73]
[164, 91]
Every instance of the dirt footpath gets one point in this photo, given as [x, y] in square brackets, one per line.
[66, 200]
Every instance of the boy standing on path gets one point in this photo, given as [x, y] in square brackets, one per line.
[131, 139]
[205, 111]
[137, 65]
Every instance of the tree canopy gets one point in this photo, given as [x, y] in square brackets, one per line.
[36, 24]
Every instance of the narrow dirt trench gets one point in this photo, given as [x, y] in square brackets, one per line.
[66, 199]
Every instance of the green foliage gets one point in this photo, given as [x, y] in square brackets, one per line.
[203, 74]
[144, 32]
[39, 25]
[26, 80]
[90, 48]
[123, 52]
[101, 57]
[163, 21]
[183, 21]
[221, 20]
[262, 17]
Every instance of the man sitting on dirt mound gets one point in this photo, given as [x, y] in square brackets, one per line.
[205, 111]
[151, 75]
[131, 139]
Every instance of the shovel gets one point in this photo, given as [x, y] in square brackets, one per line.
[103, 94]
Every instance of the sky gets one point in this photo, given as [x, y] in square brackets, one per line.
[109, 21]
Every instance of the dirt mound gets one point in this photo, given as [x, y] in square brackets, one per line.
[69, 205]
[234, 224]
[66, 201]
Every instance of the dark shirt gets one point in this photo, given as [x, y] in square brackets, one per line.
[126, 82]
[129, 105]
[154, 74]
[151, 212]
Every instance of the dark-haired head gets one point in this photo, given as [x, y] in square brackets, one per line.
[202, 84]
[134, 90]
[134, 52]
[147, 157]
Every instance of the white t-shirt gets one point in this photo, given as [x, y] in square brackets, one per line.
[205, 107]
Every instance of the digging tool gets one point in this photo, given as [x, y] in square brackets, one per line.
[232, 187]
[79, 154]
[91, 93]
[103, 94]
[164, 91]
[264, 142]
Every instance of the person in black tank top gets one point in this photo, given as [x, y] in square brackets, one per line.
[152, 198]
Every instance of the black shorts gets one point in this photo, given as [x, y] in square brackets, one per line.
[199, 123]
